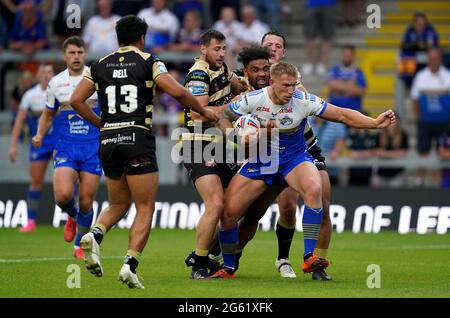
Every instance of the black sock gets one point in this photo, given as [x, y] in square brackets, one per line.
[215, 250]
[201, 261]
[284, 236]
[306, 256]
[98, 234]
[130, 260]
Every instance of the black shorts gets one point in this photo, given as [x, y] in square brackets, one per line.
[131, 152]
[319, 160]
[198, 165]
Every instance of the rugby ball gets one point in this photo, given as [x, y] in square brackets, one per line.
[247, 125]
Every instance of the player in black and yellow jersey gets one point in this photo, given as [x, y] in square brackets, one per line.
[213, 85]
[125, 82]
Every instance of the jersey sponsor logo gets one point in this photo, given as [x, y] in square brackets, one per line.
[122, 124]
[197, 88]
[161, 67]
[63, 85]
[198, 75]
[285, 110]
[120, 73]
[122, 65]
[119, 139]
[263, 109]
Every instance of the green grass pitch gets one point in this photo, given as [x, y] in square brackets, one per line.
[35, 264]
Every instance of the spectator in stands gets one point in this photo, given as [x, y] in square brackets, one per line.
[215, 8]
[444, 154]
[418, 38]
[25, 82]
[181, 7]
[268, 12]
[252, 29]
[3, 33]
[126, 7]
[29, 33]
[346, 81]
[59, 16]
[230, 27]
[430, 93]
[331, 140]
[100, 33]
[8, 11]
[392, 144]
[361, 144]
[350, 12]
[320, 23]
[188, 38]
[163, 26]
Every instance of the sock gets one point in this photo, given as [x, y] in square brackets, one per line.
[132, 259]
[98, 230]
[34, 197]
[321, 252]
[84, 221]
[215, 250]
[70, 208]
[228, 242]
[312, 218]
[201, 258]
[284, 236]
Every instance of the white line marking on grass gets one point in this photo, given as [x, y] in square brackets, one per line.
[47, 259]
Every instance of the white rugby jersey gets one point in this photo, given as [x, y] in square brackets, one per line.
[34, 100]
[60, 89]
[71, 126]
[289, 118]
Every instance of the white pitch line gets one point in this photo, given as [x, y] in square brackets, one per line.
[47, 259]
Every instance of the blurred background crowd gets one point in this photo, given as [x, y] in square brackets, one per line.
[403, 65]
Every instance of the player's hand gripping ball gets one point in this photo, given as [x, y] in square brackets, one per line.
[247, 125]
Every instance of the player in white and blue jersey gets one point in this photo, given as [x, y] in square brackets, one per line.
[283, 108]
[76, 152]
[30, 109]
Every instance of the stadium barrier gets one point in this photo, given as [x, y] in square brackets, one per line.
[358, 210]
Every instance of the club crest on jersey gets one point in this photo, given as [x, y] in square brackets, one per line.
[286, 121]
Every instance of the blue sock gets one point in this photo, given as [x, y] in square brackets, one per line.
[84, 221]
[70, 208]
[312, 218]
[228, 242]
[34, 197]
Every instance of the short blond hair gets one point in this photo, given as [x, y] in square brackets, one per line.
[283, 68]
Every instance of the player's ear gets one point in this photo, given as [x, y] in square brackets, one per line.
[142, 41]
[203, 49]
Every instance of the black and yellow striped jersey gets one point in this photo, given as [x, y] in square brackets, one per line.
[202, 80]
[125, 84]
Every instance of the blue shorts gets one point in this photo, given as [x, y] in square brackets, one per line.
[273, 173]
[79, 156]
[43, 153]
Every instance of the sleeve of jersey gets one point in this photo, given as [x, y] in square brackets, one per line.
[316, 105]
[197, 82]
[88, 74]
[25, 102]
[158, 67]
[51, 98]
[241, 106]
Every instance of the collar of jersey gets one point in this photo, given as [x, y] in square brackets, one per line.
[128, 48]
